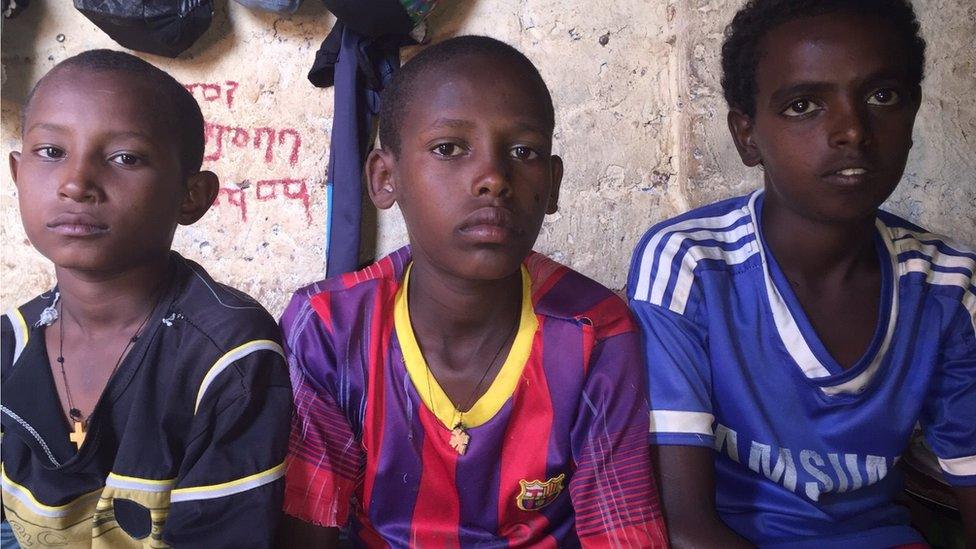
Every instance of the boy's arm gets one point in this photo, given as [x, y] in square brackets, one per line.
[228, 491]
[949, 417]
[681, 434]
[613, 488]
[325, 459]
[686, 477]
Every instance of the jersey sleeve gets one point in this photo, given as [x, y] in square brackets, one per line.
[613, 489]
[679, 377]
[949, 413]
[228, 489]
[325, 460]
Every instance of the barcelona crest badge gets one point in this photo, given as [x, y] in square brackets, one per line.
[536, 494]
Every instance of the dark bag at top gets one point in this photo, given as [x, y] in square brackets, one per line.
[161, 27]
[276, 6]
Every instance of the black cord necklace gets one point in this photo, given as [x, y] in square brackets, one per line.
[459, 433]
[79, 421]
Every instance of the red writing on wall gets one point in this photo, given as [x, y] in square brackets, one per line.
[213, 91]
[286, 189]
[269, 140]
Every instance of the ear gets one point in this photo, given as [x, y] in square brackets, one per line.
[556, 172]
[741, 127]
[381, 180]
[201, 191]
[14, 161]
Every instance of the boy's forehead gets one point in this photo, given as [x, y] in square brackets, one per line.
[818, 46]
[467, 83]
[71, 80]
[121, 96]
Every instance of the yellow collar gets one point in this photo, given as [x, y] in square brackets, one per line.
[501, 388]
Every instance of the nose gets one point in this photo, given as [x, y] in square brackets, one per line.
[850, 126]
[79, 182]
[494, 176]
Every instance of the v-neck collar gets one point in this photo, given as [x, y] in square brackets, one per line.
[501, 388]
[31, 404]
[797, 333]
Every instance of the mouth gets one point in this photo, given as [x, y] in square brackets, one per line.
[489, 225]
[849, 176]
[77, 224]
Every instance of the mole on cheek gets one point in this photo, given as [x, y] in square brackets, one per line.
[537, 198]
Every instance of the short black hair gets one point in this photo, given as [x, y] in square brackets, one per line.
[740, 50]
[402, 88]
[182, 109]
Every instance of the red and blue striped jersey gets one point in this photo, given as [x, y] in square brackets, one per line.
[558, 454]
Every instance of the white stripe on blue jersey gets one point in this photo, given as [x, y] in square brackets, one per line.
[710, 227]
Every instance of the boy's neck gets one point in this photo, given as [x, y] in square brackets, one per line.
[111, 301]
[817, 250]
[447, 308]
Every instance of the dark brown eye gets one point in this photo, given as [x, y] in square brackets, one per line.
[884, 97]
[447, 150]
[50, 152]
[800, 107]
[125, 159]
[522, 152]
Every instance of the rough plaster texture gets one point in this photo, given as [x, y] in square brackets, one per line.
[640, 125]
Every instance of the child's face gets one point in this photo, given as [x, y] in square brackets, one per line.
[475, 175]
[834, 113]
[99, 179]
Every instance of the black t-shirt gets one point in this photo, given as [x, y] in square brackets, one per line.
[186, 444]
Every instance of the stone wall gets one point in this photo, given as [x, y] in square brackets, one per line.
[640, 126]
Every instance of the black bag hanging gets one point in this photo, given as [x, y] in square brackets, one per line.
[161, 27]
[372, 18]
[274, 6]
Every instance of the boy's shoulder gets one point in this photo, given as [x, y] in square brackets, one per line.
[915, 237]
[719, 235]
[931, 259]
[557, 292]
[384, 273]
[560, 292]
[342, 300]
[29, 313]
[225, 315]
[17, 322]
[209, 306]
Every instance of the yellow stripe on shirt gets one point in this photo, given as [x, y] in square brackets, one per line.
[500, 390]
[229, 358]
[228, 488]
[21, 332]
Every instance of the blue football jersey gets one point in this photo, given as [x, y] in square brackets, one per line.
[805, 450]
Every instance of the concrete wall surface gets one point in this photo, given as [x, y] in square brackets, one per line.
[640, 126]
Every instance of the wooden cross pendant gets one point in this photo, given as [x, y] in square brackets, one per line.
[460, 439]
[78, 436]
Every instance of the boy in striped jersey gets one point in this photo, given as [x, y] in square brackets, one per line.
[795, 336]
[143, 403]
[465, 391]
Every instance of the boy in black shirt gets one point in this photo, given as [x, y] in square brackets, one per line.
[143, 403]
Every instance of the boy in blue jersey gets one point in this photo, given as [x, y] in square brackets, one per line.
[143, 403]
[795, 336]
